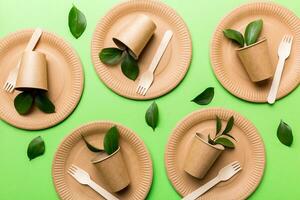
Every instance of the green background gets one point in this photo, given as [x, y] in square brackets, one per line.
[21, 179]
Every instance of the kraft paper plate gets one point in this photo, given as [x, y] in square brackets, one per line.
[228, 69]
[65, 79]
[175, 61]
[249, 151]
[73, 150]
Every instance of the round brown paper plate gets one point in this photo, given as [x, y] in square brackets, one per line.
[278, 21]
[174, 63]
[249, 151]
[73, 150]
[65, 79]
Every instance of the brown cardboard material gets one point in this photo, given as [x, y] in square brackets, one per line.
[201, 156]
[136, 35]
[113, 170]
[33, 71]
[257, 61]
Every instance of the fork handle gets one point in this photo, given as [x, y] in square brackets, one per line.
[34, 39]
[104, 193]
[201, 190]
[161, 49]
[276, 81]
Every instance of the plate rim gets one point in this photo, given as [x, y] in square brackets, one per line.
[99, 67]
[58, 174]
[216, 64]
[77, 87]
[175, 135]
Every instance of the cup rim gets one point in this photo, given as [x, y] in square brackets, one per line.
[95, 161]
[199, 136]
[264, 39]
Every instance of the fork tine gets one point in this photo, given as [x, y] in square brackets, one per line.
[237, 166]
[71, 171]
[238, 169]
[141, 89]
[146, 89]
[11, 88]
[8, 88]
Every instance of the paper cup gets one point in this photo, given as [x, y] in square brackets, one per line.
[33, 71]
[113, 170]
[201, 156]
[136, 35]
[257, 61]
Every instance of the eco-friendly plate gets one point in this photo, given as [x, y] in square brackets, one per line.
[65, 79]
[249, 151]
[278, 21]
[174, 63]
[73, 150]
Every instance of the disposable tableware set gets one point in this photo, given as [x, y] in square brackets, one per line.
[205, 149]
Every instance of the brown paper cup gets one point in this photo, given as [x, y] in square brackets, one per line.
[136, 35]
[33, 71]
[257, 61]
[113, 170]
[201, 156]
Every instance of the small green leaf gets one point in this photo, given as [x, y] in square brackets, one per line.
[111, 140]
[285, 134]
[229, 136]
[152, 115]
[205, 97]
[228, 126]
[253, 31]
[23, 102]
[130, 67]
[111, 56]
[43, 103]
[225, 142]
[91, 147]
[36, 148]
[77, 22]
[218, 125]
[234, 36]
[211, 141]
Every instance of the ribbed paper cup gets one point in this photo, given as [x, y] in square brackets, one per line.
[257, 61]
[113, 170]
[33, 71]
[201, 156]
[136, 35]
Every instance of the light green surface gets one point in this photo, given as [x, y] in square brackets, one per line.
[21, 179]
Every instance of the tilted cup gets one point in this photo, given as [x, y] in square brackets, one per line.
[201, 156]
[135, 35]
[113, 170]
[32, 72]
[257, 61]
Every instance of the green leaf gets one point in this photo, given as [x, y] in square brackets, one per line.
[205, 97]
[152, 115]
[234, 36]
[77, 22]
[229, 136]
[43, 103]
[228, 126]
[225, 142]
[218, 125]
[111, 140]
[130, 67]
[285, 134]
[210, 140]
[253, 31]
[23, 102]
[91, 147]
[111, 56]
[36, 148]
